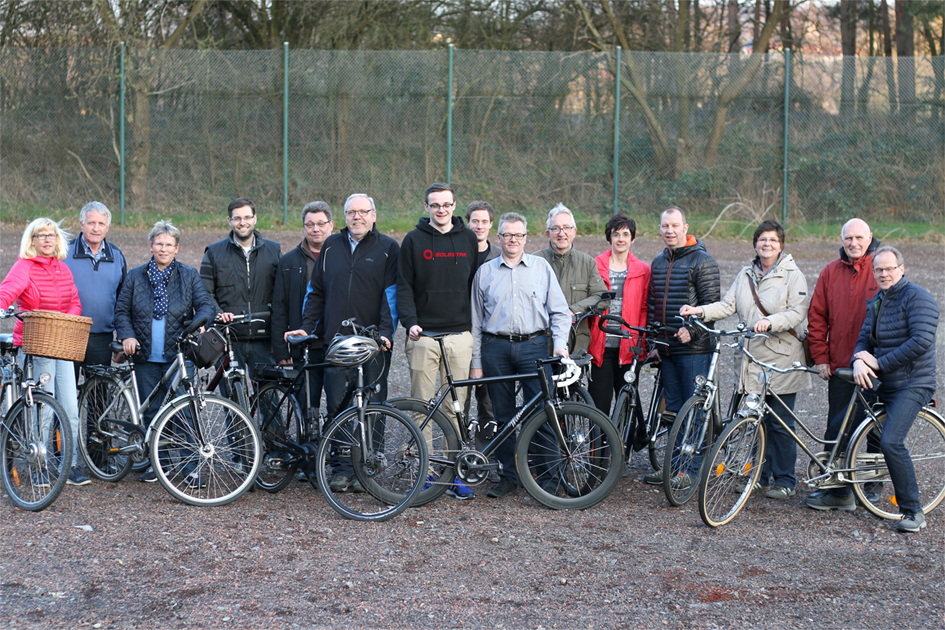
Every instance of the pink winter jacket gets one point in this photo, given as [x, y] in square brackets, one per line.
[39, 284]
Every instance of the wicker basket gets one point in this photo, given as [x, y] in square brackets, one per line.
[55, 335]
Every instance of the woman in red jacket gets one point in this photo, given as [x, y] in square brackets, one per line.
[630, 279]
[39, 280]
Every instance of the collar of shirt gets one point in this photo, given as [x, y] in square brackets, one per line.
[97, 256]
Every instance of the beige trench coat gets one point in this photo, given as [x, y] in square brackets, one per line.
[783, 292]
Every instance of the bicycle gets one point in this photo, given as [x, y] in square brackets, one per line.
[565, 454]
[698, 422]
[386, 449]
[234, 377]
[577, 392]
[735, 461]
[205, 449]
[35, 436]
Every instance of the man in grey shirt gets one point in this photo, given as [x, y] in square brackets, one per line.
[516, 301]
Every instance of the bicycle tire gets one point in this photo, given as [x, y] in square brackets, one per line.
[225, 461]
[926, 445]
[442, 447]
[688, 440]
[734, 462]
[576, 393]
[585, 468]
[277, 414]
[35, 460]
[659, 435]
[620, 418]
[102, 401]
[390, 473]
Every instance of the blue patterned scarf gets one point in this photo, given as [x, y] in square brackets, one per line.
[159, 279]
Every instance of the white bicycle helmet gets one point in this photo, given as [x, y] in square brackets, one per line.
[351, 350]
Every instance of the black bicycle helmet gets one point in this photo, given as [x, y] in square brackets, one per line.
[351, 350]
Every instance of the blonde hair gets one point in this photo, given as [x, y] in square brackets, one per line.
[28, 249]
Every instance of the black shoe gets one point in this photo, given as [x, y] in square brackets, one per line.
[149, 476]
[826, 502]
[504, 488]
[77, 479]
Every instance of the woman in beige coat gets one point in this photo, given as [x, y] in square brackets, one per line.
[782, 292]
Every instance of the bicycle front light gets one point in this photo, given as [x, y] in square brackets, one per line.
[628, 376]
[753, 402]
[44, 378]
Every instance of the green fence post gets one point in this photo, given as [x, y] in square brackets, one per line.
[285, 133]
[449, 123]
[787, 111]
[617, 129]
[121, 131]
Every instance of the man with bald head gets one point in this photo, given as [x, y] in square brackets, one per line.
[837, 311]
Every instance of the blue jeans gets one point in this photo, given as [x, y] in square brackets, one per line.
[62, 387]
[780, 447]
[504, 358]
[252, 353]
[679, 374]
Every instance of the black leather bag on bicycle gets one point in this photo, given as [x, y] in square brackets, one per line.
[207, 349]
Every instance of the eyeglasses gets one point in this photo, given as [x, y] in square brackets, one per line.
[242, 219]
[45, 237]
[555, 229]
[163, 245]
[623, 234]
[773, 241]
[358, 213]
[511, 236]
[319, 225]
[436, 206]
[881, 270]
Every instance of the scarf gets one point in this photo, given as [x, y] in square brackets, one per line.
[159, 280]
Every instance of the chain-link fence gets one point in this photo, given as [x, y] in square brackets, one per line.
[864, 136]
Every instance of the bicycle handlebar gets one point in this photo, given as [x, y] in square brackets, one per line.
[245, 317]
[741, 330]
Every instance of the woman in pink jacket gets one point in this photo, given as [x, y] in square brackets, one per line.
[630, 278]
[39, 280]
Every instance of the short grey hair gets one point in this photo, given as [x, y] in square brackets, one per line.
[317, 206]
[889, 249]
[95, 206]
[355, 196]
[164, 227]
[513, 217]
[559, 209]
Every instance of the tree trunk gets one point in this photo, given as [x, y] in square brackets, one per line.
[756, 26]
[734, 28]
[848, 15]
[887, 52]
[140, 120]
[681, 71]
[905, 61]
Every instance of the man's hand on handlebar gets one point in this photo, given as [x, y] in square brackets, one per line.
[294, 333]
[385, 343]
[226, 318]
[824, 369]
[683, 335]
[129, 345]
[560, 352]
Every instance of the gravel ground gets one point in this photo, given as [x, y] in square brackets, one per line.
[127, 555]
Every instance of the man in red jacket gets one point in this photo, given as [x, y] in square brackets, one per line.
[837, 311]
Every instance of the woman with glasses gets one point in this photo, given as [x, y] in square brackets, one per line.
[770, 295]
[39, 280]
[155, 301]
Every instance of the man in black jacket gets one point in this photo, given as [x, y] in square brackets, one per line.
[684, 273]
[355, 276]
[239, 272]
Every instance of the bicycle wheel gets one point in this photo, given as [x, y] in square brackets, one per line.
[390, 469]
[731, 470]
[576, 469]
[689, 438]
[659, 435]
[926, 445]
[206, 450]
[236, 391]
[277, 414]
[620, 418]
[36, 454]
[575, 393]
[102, 401]
[442, 447]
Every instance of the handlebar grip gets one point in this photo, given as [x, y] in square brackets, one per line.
[195, 324]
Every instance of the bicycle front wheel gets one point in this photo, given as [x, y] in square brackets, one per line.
[689, 438]
[206, 451]
[442, 446]
[871, 482]
[572, 462]
[731, 470]
[659, 434]
[371, 472]
[278, 417]
[103, 401]
[36, 454]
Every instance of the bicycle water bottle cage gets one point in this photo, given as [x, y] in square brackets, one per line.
[351, 350]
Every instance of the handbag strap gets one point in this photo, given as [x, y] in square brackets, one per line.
[754, 294]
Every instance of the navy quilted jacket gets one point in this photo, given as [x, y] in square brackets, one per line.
[187, 298]
[903, 341]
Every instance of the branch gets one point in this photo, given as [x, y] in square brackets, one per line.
[84, 170]
[194, 11]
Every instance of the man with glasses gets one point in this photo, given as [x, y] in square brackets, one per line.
[516, 304]
[576, 271]
[355, 276]
[438, 261]
[239, 273]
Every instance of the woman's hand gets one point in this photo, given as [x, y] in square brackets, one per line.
[687, 310]
[129, 346]
[762, 325]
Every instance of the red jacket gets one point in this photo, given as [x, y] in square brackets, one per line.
[40, 283]
[838, 308]
[635, 291]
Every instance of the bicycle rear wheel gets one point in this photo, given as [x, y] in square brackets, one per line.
[688, 440]
[731, 470]
[871, 482]
[278, 417]
[206, 450]
[390, 467]
[659, 434]
[575, 470]
[442, 447]
[36, 454]
[102, 401]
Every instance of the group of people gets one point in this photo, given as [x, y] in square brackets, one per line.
[500, 309]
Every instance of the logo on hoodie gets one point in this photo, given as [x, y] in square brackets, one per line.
[429, 254]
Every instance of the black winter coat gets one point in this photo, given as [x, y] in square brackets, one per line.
[903, 340]
[187, 299]
[288, 296]
[685, 275]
